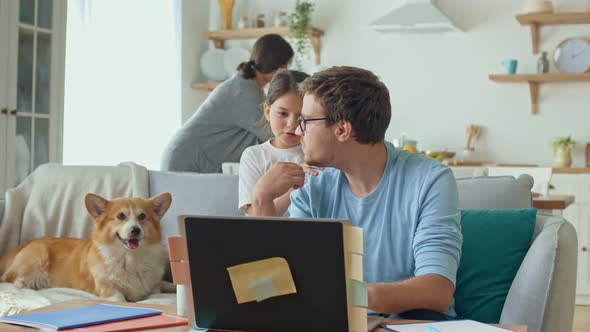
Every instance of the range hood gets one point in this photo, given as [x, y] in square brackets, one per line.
[415, 16]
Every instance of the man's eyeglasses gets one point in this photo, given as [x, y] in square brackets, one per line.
[302, 121]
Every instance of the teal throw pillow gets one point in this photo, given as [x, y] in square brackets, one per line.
[495, 243]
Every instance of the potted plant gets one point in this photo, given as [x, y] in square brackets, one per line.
[299, 22]
[562, 151]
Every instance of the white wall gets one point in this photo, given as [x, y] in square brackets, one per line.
[439, 83]
[195, 19]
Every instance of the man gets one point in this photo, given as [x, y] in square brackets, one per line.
[406, 203]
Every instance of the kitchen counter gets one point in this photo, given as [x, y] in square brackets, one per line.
[571, 170]
[556, 170]
[553, 202]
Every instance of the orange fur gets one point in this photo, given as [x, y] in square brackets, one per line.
[124, 258]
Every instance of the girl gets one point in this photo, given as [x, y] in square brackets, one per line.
[225, 124]
[281, 111]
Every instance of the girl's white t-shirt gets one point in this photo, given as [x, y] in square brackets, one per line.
[256, 160]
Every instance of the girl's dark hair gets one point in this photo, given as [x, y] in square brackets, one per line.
[270, 52]
[283, 82]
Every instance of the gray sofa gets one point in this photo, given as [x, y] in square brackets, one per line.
[543, 292]
[542, 295]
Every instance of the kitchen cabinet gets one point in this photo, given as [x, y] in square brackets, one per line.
[579, 215]
[32, 61]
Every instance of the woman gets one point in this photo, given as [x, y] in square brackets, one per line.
[225, 124]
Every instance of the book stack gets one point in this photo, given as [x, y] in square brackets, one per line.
[96, 318]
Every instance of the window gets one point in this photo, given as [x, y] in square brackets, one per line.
[122, 81]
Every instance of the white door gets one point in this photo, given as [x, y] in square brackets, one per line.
[35, 89]
[4, 15]
[583, 286]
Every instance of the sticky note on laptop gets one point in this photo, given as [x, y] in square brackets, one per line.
[260, 280]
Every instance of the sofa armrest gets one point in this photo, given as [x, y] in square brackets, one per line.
[542, 295]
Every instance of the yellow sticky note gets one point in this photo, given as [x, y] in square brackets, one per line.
[357, 319]
[353, 239]
[354, 266]
[259, 280]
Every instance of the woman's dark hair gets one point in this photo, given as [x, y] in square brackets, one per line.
[270, 52]
[283, 82]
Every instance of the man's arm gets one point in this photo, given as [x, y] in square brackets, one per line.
[437, 251]
[429, 291]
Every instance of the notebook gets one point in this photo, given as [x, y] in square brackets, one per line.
[78, 317]
[136, 324]
[448, 326]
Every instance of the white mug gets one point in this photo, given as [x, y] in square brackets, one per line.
[537, 6]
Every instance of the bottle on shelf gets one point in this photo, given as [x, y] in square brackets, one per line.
[280, 19]
[259, 21]
[243, 22]
[543, 64]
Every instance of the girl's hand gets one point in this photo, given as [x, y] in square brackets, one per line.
[311, 170]
[279, 179]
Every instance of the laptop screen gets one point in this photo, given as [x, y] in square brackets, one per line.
[313, 250]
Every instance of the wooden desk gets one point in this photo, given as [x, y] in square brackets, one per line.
[556, 202]
[171, 310]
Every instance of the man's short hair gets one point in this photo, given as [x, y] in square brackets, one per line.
[353, 94]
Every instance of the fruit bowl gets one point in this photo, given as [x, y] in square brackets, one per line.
[439, 155]
[446, 154]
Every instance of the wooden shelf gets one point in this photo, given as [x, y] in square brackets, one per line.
[540, 78]
[535, 79]
[207, 86]
[220, 36]
[536, 21]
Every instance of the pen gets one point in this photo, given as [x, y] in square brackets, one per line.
[432, 329]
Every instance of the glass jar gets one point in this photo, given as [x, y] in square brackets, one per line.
[243, 22]
[280, 19]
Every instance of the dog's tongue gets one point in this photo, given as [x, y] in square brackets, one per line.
[133, 244]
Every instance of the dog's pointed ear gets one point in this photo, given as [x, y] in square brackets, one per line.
[161, 203]
[96, 205]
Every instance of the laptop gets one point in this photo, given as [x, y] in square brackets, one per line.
[314, 250]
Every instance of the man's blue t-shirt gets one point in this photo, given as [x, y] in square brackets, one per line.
[411, 221]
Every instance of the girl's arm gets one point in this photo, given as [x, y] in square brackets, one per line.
[281, 204]
[275, 184]
[293, 176]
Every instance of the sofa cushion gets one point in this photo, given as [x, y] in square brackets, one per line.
[495, 243]
[501, 192]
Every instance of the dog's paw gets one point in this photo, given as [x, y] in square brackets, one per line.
[19, 283]
[117, 297]
[167, 287]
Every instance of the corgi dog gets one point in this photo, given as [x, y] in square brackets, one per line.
[123, 260]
